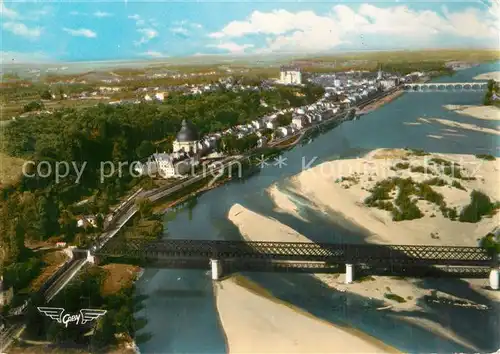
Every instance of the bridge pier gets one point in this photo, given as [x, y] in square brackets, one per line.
[494, 281]
[349, 273]
[216, 267]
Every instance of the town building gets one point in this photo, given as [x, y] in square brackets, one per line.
[187, 149]
[187, 139]
[87, 221]
[290, 75]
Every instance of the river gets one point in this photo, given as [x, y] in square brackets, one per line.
[180, 308]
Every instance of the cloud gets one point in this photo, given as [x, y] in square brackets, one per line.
[147, 35]
[154, 54]
[12, 57]
[180, 30]
[38, 14]
[102, 14]
[134, 17]
[232, 47]
[81, 32]
[306, 31]
[7, 13]
[20, 29]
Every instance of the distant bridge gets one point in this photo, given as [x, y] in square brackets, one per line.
[445, 86]
[305, 256]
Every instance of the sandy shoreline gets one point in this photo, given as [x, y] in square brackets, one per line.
[256, 324]
[323, 187]
[479, 112]
[494, 75]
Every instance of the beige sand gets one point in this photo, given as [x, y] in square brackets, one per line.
[465, 126]
[318, 184]
[257, 227]
[435, 136]
[479, 112]
[255, 324]
[494, 75]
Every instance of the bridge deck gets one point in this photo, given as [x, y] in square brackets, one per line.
[303, 251]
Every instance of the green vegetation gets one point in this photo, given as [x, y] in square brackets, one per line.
[435, 182]
[86, 292]
[486, 157]
[394, 297]
[402, 165]
[419, 169]
[491, 243]
[404, 208]
[417, 152]
[457, 184]
[440, 161]
[493, 89]
[33, 106]
[479, 206]
[284, 119]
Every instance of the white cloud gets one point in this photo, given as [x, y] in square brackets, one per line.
[102, 14]
[10, 57]
[232, 47]
[154, 54]
[8, 13]
[307, 31]
[81, 32]
[20, 29]
[180, 30]
[147, 35]
[74, 13]
[134, 17]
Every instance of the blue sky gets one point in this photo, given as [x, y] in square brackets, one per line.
[96, 30]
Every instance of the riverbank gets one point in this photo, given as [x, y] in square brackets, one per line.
[374, 289]
[494, 75]
[351, 181]
[341, 188]
[479, 112]
[459, 125]
[380, 102]
[256, 323]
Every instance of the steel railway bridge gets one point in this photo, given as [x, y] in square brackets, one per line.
[306, 257]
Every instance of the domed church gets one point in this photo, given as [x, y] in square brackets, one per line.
[187, 139]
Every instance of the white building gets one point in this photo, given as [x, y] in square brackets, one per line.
[187, 139]
[87, 221]
[388, 84]
[290, 75]
[297, 122]
[187, 148]
[160, 96]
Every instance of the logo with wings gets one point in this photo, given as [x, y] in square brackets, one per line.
[85, 315]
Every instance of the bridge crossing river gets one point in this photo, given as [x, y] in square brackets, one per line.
[445, 86]
[304, 256]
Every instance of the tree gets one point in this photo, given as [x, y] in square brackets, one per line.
[46, 95]
[145, 207]
[284, 119]
[68, 225]
[146, 148]
[491, 243]
[33, 106]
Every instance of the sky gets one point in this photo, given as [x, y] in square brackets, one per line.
[94, 30]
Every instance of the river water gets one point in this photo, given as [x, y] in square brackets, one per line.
[180, 308]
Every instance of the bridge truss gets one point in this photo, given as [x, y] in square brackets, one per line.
[368, 254]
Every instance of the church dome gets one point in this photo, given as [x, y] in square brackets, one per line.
[187, 133]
